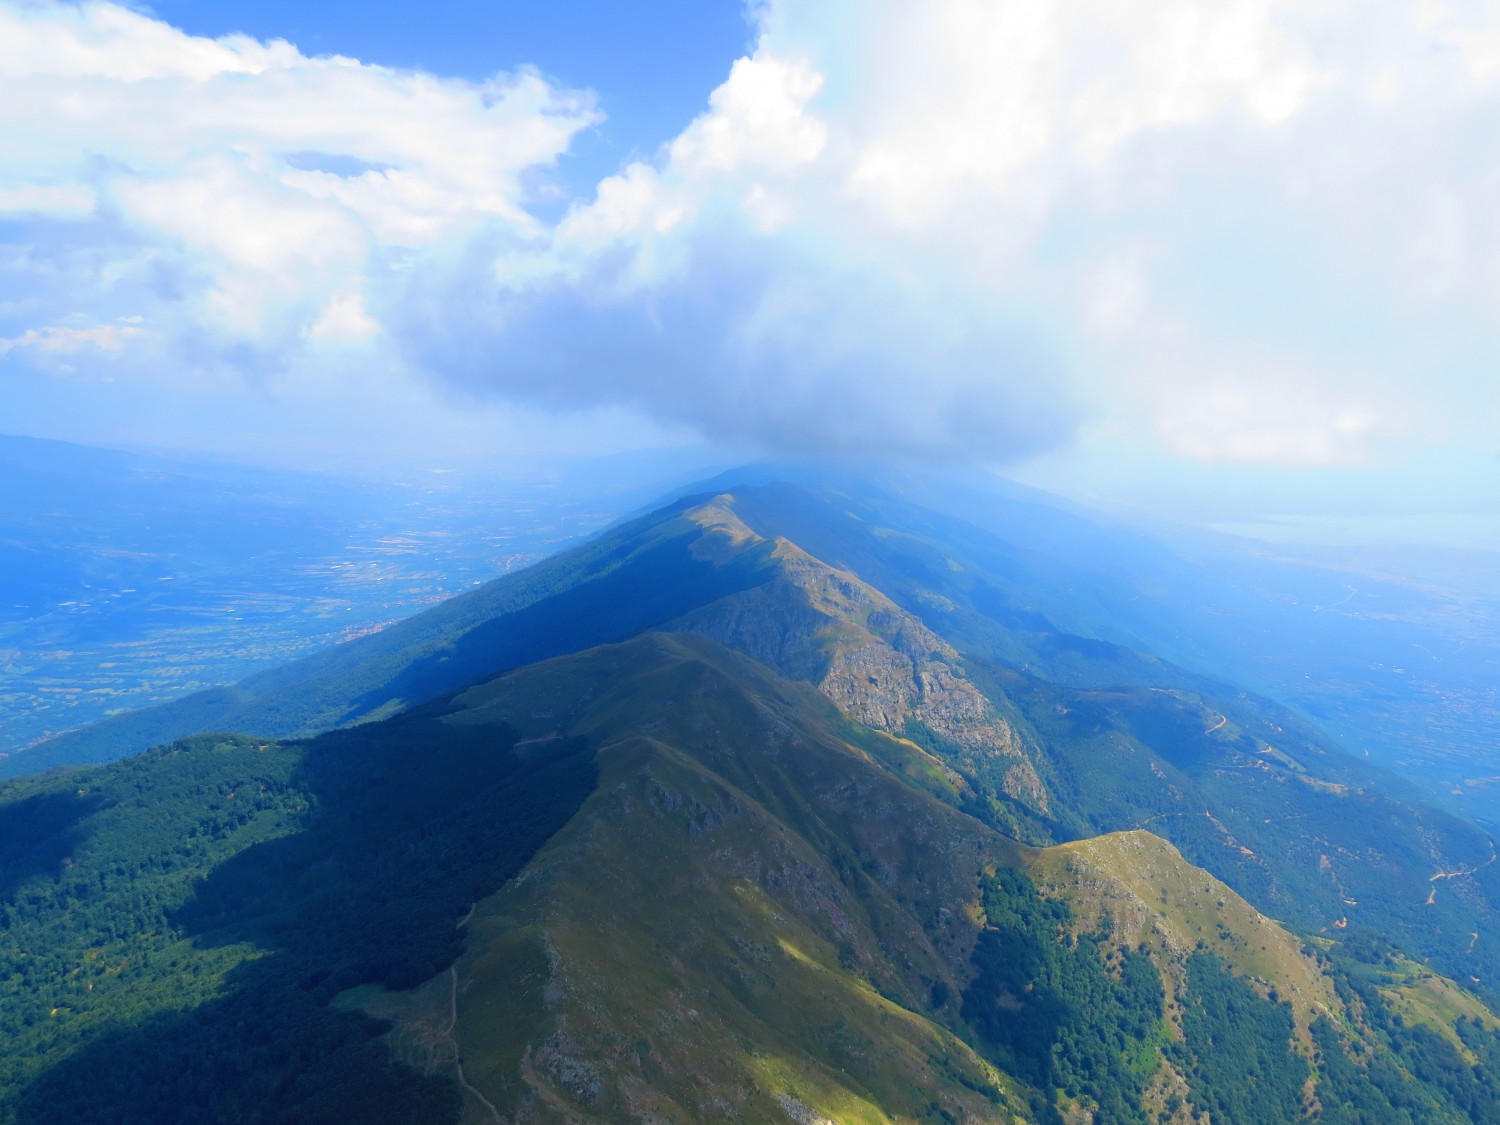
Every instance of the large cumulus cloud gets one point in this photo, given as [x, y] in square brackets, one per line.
[1238, 231]
[234, 200]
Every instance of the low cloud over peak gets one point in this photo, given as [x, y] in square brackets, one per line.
[1228, 232]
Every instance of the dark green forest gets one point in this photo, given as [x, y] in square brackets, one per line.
[1063, 1014]
[1237, 1052]
[1401, 1071]
[175, 925]
[1082, 1021]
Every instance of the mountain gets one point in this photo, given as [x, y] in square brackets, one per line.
[632, 578]
[786, 801]
[1394, 656]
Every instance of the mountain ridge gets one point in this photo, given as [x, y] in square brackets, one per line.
[1132, 740]
[670, 849]
[694, 821]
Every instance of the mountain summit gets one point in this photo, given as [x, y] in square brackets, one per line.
[788, 801]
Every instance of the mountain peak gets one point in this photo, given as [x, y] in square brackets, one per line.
[878, 662]
[724, 533]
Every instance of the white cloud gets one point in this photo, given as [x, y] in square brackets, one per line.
[345, 319]
[187, 171]
[757, 121]
[1122, 176]
[1253, 230]
[60, 340]
[66, 201]
[955, 226]
[106, 337]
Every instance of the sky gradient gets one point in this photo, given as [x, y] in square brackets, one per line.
[1236, 262]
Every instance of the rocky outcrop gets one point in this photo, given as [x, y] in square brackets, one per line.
[878, 663]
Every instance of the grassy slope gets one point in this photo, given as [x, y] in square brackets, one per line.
[751, 909]
[1153, 895]
[1274, 815]
[728, 925]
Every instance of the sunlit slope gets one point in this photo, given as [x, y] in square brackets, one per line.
[630, 579]
[734, 923]
[764, 910]
[1276, 816]
[1068, 736]
[1150, 894]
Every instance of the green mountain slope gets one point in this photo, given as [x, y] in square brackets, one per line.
[172, 926]
[1243, 788]
[856, 836]
[754, 917]
[759, 909]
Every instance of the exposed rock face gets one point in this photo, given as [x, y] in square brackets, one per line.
[878, 663]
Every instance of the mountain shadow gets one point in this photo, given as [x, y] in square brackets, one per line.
[267, 878]
[632, 578]
[39, 834]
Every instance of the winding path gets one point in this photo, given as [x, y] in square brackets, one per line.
[1466, 871]
[458, 1061]
[1460, 873]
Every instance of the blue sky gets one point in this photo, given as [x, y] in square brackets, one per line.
[650, 63]
[1234, 263]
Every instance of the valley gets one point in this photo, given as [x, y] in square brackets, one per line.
[131, 580]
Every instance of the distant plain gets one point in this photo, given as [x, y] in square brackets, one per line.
[128, 579]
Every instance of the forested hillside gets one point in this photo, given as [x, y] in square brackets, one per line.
[176, 924]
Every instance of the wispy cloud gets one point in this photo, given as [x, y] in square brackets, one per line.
[59, 340]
